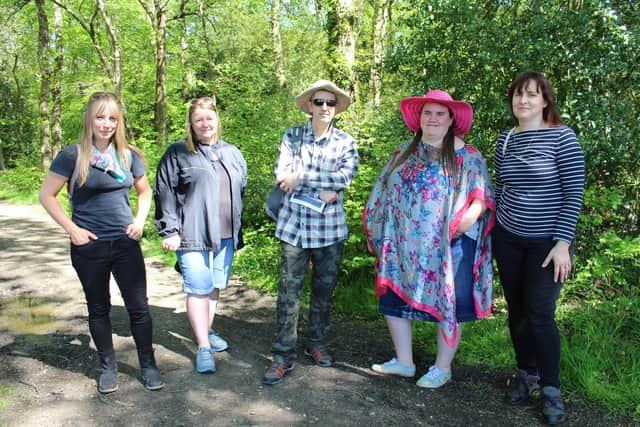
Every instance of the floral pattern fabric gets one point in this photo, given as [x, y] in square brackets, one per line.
[410, 219]
[108, 163]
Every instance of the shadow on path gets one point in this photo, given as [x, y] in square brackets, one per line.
[51, 364]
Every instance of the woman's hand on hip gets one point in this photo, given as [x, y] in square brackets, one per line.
[559, 254]
[80, 236]
[134, 231]
[171, 243]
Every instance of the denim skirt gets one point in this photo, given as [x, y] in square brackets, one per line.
[463, 251]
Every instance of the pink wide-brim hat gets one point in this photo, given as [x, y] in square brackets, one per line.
[411, 109]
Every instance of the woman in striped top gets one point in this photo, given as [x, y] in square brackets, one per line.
[539, 169]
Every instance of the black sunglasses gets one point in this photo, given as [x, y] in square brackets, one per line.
[318, 102]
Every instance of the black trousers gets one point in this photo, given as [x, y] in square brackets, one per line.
[94, 263]
[531, 295]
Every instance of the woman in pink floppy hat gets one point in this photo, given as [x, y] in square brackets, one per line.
[427, 221]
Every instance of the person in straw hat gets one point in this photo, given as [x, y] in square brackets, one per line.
[427, 221]
[317, 161]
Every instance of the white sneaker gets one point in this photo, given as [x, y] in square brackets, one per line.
[393, 367]
[435, 378]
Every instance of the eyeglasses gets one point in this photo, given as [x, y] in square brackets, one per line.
[319, 102]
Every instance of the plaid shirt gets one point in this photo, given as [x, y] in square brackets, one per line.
[329, 163]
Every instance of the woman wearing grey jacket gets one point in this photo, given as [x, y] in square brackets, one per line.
[198, 197]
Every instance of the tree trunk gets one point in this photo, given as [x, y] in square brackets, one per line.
[382, 15]
[161, 75]
[116, 66]
[342, 44]
[45, 75]
[116, 77]
[157, 13]
[277, 43]
[87, 24]
[204, 20]
[188, 76]
[56, 126]
[2, 166]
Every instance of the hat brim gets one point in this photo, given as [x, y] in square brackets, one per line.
[342, 98]
[411, 109]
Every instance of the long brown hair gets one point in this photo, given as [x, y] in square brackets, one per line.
[448, 158]
[549, 114]
[206, 103]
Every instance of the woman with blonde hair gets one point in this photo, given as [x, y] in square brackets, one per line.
[198, 196]
[99, 171]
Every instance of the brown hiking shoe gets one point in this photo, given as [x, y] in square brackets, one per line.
[320, 355]
[276, 372]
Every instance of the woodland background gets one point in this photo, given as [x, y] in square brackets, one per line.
[254, 56]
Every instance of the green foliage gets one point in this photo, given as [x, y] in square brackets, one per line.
[607, 266]
[611, 271]
[6, 392]
[21, 184]
[258, 262]
[473, 49]
[600, 347]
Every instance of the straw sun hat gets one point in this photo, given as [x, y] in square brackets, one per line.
[343, 99]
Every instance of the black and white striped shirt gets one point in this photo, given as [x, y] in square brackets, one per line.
[539, 182]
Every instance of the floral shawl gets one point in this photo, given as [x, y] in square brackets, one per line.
[410, 219]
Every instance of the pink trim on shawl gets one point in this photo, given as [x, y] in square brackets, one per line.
[383, 285]
[477, 193]
[476, 276]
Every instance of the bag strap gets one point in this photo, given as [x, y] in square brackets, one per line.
[74, 176]
[298, 134]
[506, 141]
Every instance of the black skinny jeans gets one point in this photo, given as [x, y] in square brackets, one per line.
[531, 295]
[94, 263]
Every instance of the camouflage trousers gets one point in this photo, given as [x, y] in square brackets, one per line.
[294, 262]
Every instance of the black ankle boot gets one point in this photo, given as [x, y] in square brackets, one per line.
[108, 379]
[149, 372]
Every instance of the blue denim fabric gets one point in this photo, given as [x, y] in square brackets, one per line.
[202, 271]
[463, 250]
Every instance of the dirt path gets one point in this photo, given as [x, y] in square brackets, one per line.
[48, 363]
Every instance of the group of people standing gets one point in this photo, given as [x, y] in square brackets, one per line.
[433, 218]
[431, 221]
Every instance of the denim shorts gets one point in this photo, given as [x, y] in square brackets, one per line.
[202, 271]
[463, 251]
